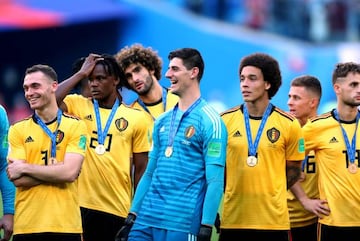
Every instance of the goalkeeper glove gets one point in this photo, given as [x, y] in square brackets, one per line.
[204, 233]
[124, 231]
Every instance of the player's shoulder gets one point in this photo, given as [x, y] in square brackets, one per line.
[284, 114]
[70, 116]
[20, 123]
[230, 111]
[321, 117]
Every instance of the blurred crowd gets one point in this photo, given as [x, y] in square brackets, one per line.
[309, 20]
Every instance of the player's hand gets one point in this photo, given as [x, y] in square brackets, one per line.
[204, 233]
[124, 231]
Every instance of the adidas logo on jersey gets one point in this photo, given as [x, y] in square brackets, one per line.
[162, 129]
[237, 134]
[88, 117]
[29, 139]
[333, 140]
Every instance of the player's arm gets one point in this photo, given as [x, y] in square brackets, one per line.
[66, 171]
[316, 206]
[69, 84]
[26, 181]
[140, 161]
[293, 170]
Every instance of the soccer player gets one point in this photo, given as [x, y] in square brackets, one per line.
[118, 141]
[142, 68]
[7, 188]
[265, 150]
[179, 194]
[333, 137]
[46, 154]
[305, 206]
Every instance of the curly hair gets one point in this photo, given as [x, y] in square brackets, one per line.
[137, 53]
[269, 68]
[343, 69]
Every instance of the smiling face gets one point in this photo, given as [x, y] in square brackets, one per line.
[39, 90]
[252, 84]
[180, 78]
[139, 78]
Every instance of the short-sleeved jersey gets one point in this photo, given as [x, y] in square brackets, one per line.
[299, 216]
[174, 200]
[255, 196]
[105, 180]
[337, 185]
[47, 207]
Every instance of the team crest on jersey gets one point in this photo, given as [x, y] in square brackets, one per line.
[273, 134]
[59, 136]
[189, 132]
[121, 124]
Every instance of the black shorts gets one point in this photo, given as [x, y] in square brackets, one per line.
[253, 235]
[100, 226]
[308, 233]
[332, 233]
[47, 237]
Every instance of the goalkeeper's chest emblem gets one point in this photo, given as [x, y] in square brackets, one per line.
[189, 132]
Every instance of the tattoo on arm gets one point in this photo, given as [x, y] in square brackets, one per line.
[292, 174]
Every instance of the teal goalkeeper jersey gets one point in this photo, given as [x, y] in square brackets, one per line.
[175, 197]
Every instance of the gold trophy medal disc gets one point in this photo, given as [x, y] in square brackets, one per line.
[352, 168]
[302, 177]
[100, 149]
[251, 161]
[168, 151]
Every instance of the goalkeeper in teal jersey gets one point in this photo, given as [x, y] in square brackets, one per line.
[180, 191]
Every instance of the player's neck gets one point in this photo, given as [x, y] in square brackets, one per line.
[188, 98]
[304, 119]
[346, 112]
[109, 102]
[257, 108]
[48, 113]
[154, 94]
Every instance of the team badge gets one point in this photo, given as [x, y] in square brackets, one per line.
[189, 132]
[59, 136]
[121, 124]
[273, 134]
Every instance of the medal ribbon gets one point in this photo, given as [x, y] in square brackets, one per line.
[101, 134]
[52, 135]
[350, 149]
[303, 164]
[253, 146]
[163, 100]
[173, 129]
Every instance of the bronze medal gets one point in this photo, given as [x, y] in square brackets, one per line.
[168, 151]
[100, 149]
[251, 161]
[352, 168]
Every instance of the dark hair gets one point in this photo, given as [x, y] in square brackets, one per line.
[191, 58]
[269, 68]
[136, 53]
[309, 82]
[343, 69]
[45, 69]
[113, 69]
